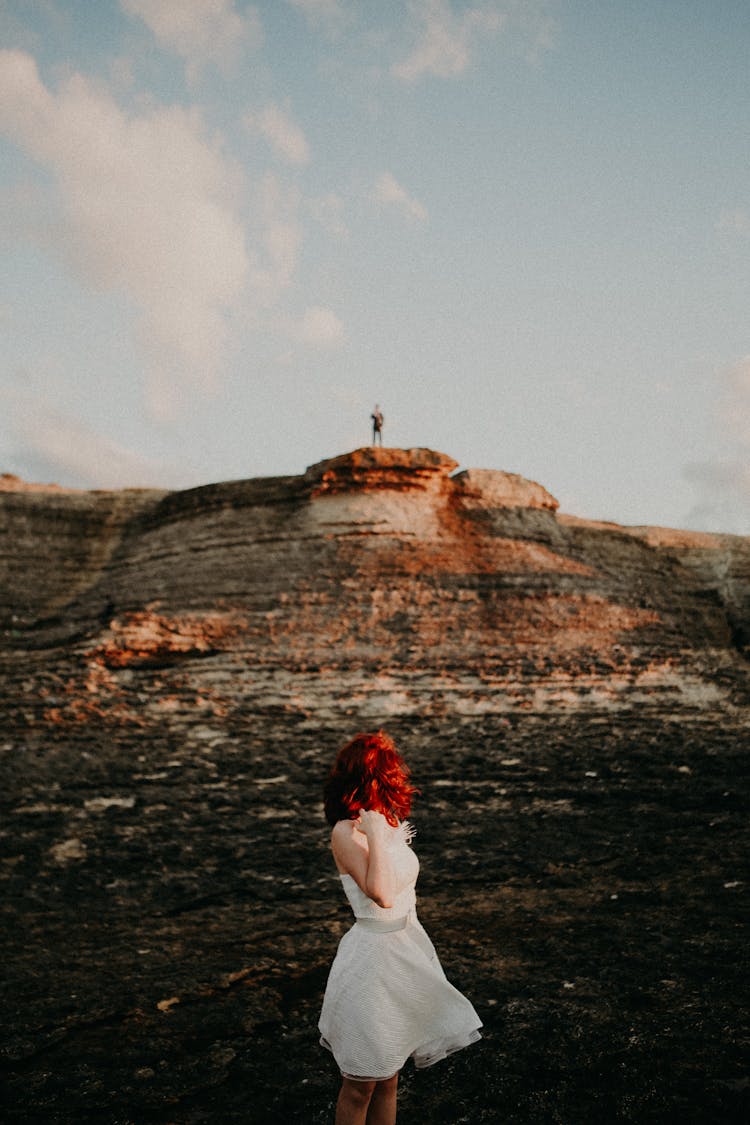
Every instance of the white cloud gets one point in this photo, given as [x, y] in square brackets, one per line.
[317, 11]
[199, 31]
[721, 475]
[279, 234]
[146, 211]
[59, 448]
[444, 38]
[282, 240]
[735, 404]
[734, 222]
[389, 192]
[321, 328]
[724, 483]
[275, 123]
[724, 488]
[328, 210]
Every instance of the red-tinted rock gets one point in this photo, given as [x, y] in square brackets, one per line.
[376, 582]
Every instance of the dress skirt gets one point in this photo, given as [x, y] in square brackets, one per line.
[387, 1000]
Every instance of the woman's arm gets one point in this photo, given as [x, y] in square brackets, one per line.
[359, 849]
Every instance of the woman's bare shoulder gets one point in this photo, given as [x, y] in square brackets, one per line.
[344, 830]
[349, 847]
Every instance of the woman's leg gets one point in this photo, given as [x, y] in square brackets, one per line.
[382, 1109]
[354, 1098]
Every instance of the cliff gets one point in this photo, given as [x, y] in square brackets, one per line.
[178, 670]
[379, 583]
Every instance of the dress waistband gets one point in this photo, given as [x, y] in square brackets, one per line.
[383, 925]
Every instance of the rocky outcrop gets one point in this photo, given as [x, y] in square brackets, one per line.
[373, 467]
[377, 583]
[492, 489]
[9, 482]
[178, 669]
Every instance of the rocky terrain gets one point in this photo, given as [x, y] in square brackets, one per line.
[178, 670]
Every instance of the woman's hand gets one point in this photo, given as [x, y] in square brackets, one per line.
[372, 824]
[369, 864]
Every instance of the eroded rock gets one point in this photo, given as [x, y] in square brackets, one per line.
[178, 669]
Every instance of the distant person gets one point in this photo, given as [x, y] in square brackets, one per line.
[377, 425]
[387, 998]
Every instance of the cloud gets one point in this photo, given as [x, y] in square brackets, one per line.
[390, 193]
[320, 11]
[321, 328]
[59, 448]
[146, 211]
[721, 475]
[724, 489]
[734, 222]
[735, 401]
[724, 483]
[328, 211]
[278, 233]
[444, 39]
[283, 134]
[199, 31]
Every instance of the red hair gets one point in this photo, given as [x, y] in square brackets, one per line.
[368, 773]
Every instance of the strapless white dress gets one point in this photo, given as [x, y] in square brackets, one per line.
[387, 998]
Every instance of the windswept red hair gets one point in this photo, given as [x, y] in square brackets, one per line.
[369, 773]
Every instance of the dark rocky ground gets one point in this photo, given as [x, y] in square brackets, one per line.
[170, 917]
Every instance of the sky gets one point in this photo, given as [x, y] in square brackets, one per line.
[522, 227]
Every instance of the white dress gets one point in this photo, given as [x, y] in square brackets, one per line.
[387, 997]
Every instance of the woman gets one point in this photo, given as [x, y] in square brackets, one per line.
[387, 997]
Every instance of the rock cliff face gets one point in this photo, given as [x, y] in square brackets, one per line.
[178, 669]
[379, 583]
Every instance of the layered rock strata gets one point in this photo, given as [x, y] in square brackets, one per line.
[378, 583]
[178, 670]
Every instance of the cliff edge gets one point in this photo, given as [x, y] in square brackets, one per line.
[380, 582]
